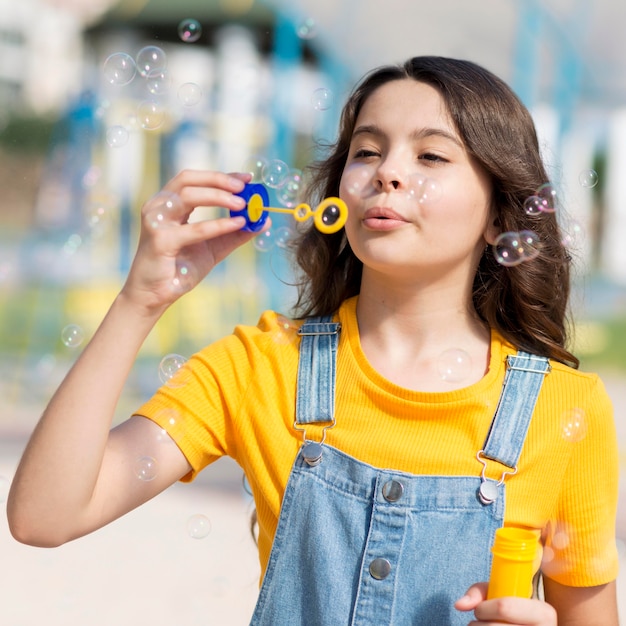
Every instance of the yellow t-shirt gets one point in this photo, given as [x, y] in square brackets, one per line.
[237, 398]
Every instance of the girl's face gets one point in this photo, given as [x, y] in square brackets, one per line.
[419, 206]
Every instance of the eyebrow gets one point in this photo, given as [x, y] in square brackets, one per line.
[422, 133]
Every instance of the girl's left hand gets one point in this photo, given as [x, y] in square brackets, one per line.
[521, 611]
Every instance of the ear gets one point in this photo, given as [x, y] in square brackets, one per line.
[492, 230]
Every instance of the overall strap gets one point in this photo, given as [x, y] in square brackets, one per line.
[522, 383]
[315, 393]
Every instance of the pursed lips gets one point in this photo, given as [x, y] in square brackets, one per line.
[382, 218]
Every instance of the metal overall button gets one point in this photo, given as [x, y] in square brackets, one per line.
[488, 490]
[380, 568]
[312, 453]
[393, 490]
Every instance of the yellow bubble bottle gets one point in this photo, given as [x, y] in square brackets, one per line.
[514, 552]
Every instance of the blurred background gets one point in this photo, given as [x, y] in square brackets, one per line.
[101, 102]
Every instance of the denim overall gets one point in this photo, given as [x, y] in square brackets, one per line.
[362, 546]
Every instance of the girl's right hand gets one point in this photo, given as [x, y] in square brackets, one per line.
[174, 255]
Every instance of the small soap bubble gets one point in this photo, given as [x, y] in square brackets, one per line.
[588, 178]
[198, 526]
[189, 30]
[145, 468]
[573, 425]
[72, 244]
[170, 418]
[150, 59]
[119, 68]
[117, 136]
[307, 28]
[356, 179]
[454, 365]
[96, 215]
[150, 114]
[508, 249]
[183, 280]
[533, 205]
[423, 189]
[169, 367]
[530, 243]
[289, 191]
[264, 241]
[254, 166]
[158, 82]
[283, 236]
[547, 194]
[72, 335]
[571, 233]
[164, 207]
[274, 173]
[560, 540]
[189, 94]
[4, 488]
[322, 99]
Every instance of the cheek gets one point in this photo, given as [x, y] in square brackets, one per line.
[356, 181]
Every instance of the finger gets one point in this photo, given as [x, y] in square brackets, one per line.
[473, 596]
[516, 611]
[205, 178]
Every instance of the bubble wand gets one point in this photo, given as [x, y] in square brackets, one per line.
[329, 215]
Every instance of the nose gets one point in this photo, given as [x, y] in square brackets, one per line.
[388, 177]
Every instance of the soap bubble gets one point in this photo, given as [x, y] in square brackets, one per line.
[454, 365]
[265, 241]
[119, 68]
[184, 279]
[189, 30]
[198, 526]
[533, 205]
[573, 425]
[145, 468]
[282, 236]
[150, 114]
[164, 208]
[572, 233]
[423, 189]
[508, 249]
[189, 94]
[289, 191]
[530, 244]
[169, 367]
[588, 178]
[158, 82]
[254, 166]
[72, 335]
[547, 193]
[117, 136]
[322, 99]
[274, 172]
[150, 59]
[356, 179]
[307, 28]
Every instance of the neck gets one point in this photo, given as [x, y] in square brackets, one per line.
[404, 332]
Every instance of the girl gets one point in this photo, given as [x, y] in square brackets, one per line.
[421, 399]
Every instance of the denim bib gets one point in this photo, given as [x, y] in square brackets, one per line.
[360, 545]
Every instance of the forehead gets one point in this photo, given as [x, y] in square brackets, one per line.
[406, 101]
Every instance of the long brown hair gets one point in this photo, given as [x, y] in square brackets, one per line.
[527, 303]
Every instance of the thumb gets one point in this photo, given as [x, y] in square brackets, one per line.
[472, 598]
